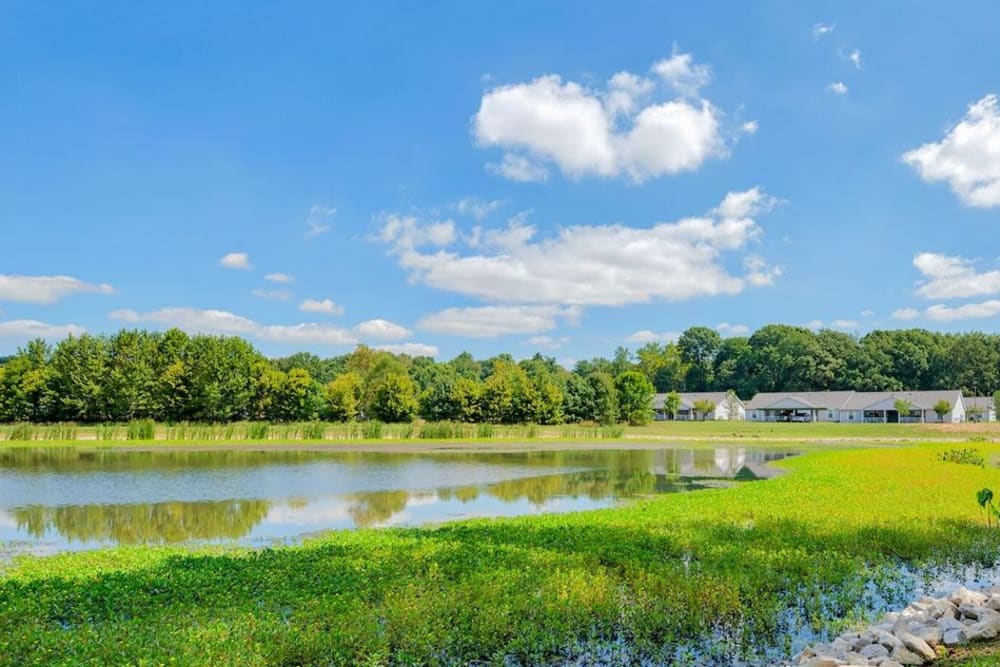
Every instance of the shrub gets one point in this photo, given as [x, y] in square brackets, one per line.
[964, 456]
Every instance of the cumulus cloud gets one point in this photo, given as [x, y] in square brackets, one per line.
[281, 278]
[316, 221]
[837, 88]
[942, 313]
[620, 130]
[223, 322]
[967, 158]
[646, 336]
[906, 314]
[411, 349]
[732, 329]
[750, 127]
[382, 330]
[276, 294]
[593, 265]
[46, 289]
[855, 58]
[410, 232]
[325, 306]
[236, 260]
[29, 329]
[867, 312]
[844, 324]
[952, 277]
[493, 321]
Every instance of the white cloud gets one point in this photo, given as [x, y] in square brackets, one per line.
[409, 232]
[906, 314]
[646, 336]
[224, 322]
[605, 133]
[29, 329]
[837, 88]
[519, 168]
[967, 158]
[750, 127]
[867, 312]
[306, 334]
[316, 221]
[382, 330]
[732, 329]
[326, 306]
[547, 342]
[943, 313]
[46, 289]
[823, 29]
[477, 208]
[277, 294]
[814, 324]
[281, 278]
[949, 277]
[411, 349]
[844, 324]
[855, 58]
[596, 265]
[236, 260]
[492, 321]
[191, 319]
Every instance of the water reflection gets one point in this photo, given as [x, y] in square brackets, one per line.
[71, 499]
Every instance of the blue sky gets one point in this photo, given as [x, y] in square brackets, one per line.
[439, 177]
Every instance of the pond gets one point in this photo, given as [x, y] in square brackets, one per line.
[68, 499]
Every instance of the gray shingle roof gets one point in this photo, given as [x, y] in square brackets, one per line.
[822, 400]
[854, 400]
[688, 399]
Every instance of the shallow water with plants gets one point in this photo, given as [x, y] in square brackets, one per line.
[54, 499]
[742, 575]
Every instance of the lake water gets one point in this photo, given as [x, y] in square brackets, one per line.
[66, 499]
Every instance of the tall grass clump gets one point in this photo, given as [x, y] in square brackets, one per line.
[445, 431]
[21, 432]
[314, 430]
[109, 432]
[484, 431]
[257, 430]
[60, 431]
[141, 429]
[371, 430]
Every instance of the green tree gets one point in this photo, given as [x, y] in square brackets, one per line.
[903, 408]
[343, 397]
[672, 404]
[703, 407]
[605, 405]
[467, 396]
[395, 399]
[698, 348]
[635, 397]
[942, 408]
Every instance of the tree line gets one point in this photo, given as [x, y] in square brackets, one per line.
[173, 376]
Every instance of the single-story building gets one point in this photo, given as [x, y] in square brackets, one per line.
[856, 407]
[980, 409]
[723, 409]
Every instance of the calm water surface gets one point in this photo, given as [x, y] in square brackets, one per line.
[63, 499]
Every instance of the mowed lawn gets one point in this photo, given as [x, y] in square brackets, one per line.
[654, 573]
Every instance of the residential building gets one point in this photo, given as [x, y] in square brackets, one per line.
[724, 409]
[980, 409]
[857, 407]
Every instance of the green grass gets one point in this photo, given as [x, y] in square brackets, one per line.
[656, 572]
[985, 655]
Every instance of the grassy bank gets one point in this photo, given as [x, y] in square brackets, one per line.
[316, 432]
[658, 574]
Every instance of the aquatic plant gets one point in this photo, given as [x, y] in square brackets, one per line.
[985, 499]
[962, 456]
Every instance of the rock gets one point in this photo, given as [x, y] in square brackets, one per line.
[983, 630]
[822, 662]
[917, 645]
[963, 596]
[954, 638]
[931, 634]
[874, 651]
[905, 656]
[994, 602]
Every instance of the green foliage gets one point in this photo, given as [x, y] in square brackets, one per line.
[313, 430]
[704, 407]
[343, 397]
[941, 408]
[257, 430]
[963, 456]
[984, 497]
[141, 429]
[672, 404]
[635, 397]
[22, 432]
[902, 407]
[372, 429]
[395, 399]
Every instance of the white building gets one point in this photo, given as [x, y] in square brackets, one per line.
[980, 409]
[724, 410]
[856, 407]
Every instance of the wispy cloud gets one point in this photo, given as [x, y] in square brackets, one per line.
[46, 289]
[316, 221]
[236, 260]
